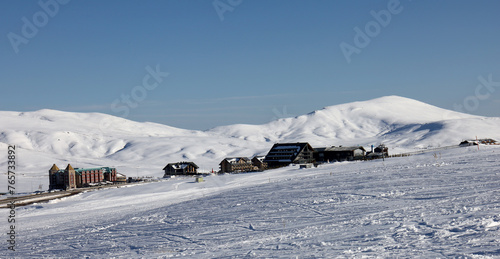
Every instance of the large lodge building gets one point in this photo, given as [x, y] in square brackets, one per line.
[71, 178]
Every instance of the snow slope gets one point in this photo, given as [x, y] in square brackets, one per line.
[91, 139]
[423, 206]
[398, 121]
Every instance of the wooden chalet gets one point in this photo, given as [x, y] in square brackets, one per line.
[180, 168]
[236, 165]
[331, 154]
[258, 162]
[283, 154]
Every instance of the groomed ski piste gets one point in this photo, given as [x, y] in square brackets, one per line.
[433, 205]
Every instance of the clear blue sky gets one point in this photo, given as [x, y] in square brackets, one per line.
[246, 61]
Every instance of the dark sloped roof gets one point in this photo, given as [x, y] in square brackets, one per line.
[237, 159]
[80, 170]
[178, 165]
[54, 168]
[286, 152]
[260, 158]
[339, 149]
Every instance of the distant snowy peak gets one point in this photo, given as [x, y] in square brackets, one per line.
[393, 109]
[347, 122]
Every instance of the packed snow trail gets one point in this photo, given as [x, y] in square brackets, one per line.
[420, 206]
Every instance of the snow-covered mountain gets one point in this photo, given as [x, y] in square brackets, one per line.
[400, 122]
[84, 139]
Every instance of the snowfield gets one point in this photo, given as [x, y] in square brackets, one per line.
[45, 137]
[424, 206]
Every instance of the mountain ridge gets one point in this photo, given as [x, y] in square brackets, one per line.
[47, 136]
